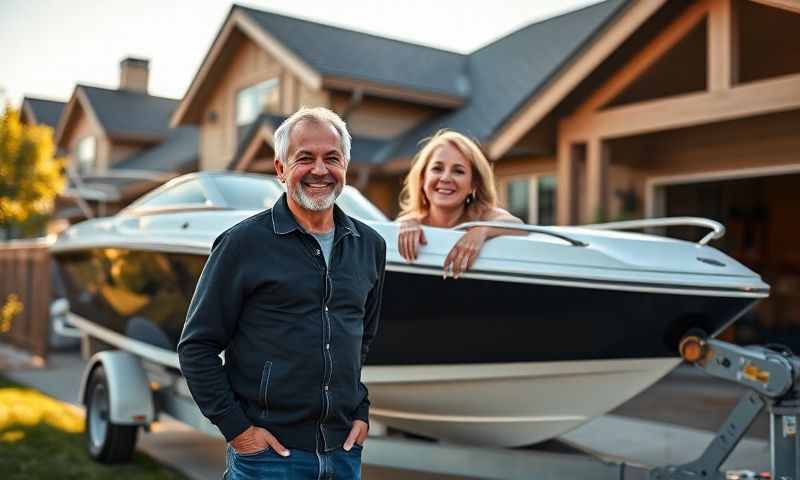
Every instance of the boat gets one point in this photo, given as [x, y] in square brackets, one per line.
[546, 331]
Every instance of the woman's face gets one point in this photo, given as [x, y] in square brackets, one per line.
[448, 178]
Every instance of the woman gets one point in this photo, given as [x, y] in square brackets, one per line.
[450, 182]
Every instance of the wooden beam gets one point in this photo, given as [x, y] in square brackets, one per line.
[212, 56]
[656, 49]
[598, 49]
[388, 91]
[788, 5]
[565, 193]
[283, 55]
[596, 180]
[264, 135]
[723, 45]
[755, 98]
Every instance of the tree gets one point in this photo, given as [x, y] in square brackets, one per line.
[30, 175]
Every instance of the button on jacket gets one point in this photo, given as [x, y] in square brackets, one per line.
[295, 331]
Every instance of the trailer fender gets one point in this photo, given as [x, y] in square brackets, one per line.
[130, 398]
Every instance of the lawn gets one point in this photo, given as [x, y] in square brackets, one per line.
[41, 438]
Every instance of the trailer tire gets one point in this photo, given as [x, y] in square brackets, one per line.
[106, 442]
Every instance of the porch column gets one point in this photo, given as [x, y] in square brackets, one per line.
[566, 189]
[596, 180]
[723, 45]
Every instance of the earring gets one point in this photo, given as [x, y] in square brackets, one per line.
[471, 197]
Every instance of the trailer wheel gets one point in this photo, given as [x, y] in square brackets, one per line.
[105, 441]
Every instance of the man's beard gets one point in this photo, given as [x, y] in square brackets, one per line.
[317, 205]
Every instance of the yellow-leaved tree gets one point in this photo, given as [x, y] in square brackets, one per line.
[30, 176]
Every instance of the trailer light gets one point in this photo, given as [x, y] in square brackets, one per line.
[751, 372]
[138, 418]
[692, 349]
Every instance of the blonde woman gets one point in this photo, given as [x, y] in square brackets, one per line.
[450, 182]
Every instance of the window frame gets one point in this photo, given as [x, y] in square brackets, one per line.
[533, 193]
[276, 84]
[82, 168]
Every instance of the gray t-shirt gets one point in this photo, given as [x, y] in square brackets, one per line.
[325, 241]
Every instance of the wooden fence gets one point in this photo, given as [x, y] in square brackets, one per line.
[25, 279]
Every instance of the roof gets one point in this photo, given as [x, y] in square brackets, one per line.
[340, 52]
[496, 97]
[125, 113]
[492, 98]
[46, 112]
[178, 153]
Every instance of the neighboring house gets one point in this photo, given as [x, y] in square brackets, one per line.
[623, 109]
[118, 143]
[40, 111]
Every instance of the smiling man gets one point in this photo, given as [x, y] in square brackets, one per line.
[292, 296]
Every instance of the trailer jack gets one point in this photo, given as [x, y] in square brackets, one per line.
[771, 373]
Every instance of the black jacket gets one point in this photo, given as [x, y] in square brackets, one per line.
[295, 333]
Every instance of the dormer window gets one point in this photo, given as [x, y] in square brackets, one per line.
[256, 99]
[86, 154]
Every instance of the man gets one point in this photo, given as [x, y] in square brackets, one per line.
[292, 296]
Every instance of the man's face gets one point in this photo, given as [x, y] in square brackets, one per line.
[315, 166]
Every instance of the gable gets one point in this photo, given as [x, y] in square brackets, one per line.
[77, 121]
[130, 115]
[321, 56]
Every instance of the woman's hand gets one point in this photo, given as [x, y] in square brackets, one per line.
[465, 251]
[410, 238]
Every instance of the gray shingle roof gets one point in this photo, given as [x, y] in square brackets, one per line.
[178, 153]
[507, 72]
[45, 111]
[340, 52]
[124, 113]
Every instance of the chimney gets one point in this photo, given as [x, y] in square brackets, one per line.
[133, 73]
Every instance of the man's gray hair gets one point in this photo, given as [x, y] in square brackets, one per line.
[316, 114]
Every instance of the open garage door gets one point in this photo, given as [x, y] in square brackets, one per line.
[762, 216]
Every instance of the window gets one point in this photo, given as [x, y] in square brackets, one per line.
[546, 200]
[518, 198]
[531, 198]
[85, 154]
[256, 99]
[189, 192]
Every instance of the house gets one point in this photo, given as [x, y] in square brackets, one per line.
[40, 111]
[118, 143]
[623, 109]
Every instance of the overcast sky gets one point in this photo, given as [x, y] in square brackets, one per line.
[47, 46]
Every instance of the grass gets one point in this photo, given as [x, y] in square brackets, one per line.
[41, 438]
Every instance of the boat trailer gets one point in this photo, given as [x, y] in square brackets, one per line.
[121, 395]
[772, 375]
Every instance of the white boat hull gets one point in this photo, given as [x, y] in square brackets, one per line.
[505, 405]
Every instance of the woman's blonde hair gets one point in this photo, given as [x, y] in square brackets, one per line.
[412, 198]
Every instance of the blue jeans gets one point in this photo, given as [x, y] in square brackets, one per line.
[300, 465]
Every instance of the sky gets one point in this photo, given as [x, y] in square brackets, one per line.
[47, 46]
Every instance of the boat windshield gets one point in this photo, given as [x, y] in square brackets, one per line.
[248, 193]
[257, 193]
